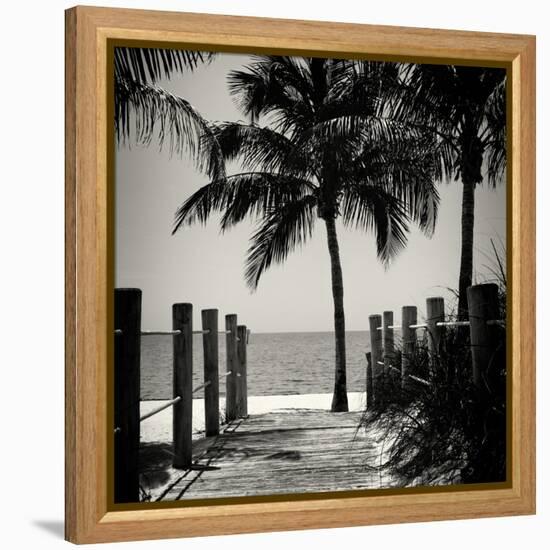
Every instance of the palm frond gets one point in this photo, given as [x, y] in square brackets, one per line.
[361, 85]
[431, 95]
[372, 209]
[280, 233]
[359, 129]
[261, 149]
[408, 169]
[240, 196]
[148, 65]
[146, 111]
[456, 102]
[275, 86]
[495, 117]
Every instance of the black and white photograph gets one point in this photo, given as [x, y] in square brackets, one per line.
[310, 273]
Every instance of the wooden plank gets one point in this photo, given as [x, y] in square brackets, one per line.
[127, 377]
[182, 320]
[435, 313]
[242, 393]
[483, 307]
[211, 371]
[408, 335]
[286, 451]
[231, 367]
[71, 390]
[375, 322]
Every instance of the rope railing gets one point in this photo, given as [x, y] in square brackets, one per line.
[129, 413]
[208, 382]
[411, 376]
[119, 331]
[491, 322]
[483, 312]
[160, 408]
[418, 379]
[202, 386]
[172, 402]
[160, 332]
[453, 324]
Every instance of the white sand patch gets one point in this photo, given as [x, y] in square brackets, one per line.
[159, 427]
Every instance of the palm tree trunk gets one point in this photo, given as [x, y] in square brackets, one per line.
[467, 247]
[340, 396]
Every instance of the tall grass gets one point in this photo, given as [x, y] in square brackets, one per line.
[448, 431]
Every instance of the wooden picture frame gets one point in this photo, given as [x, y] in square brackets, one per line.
[88, 257]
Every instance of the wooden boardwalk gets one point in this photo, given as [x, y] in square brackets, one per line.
[286, 451]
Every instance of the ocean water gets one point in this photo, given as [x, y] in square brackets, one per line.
[278, 364]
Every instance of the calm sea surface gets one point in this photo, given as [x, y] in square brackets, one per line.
[278, 363]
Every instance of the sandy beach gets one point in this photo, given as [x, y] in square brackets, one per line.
[158, 428]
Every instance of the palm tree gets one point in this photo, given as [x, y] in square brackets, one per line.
[144, 107]
[325, 152]
[466, 106]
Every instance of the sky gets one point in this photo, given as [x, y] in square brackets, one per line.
[202, 266]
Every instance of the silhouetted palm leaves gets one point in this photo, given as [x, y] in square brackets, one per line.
[466, 107]
[149, 65]
[325, 149]
[145, 110]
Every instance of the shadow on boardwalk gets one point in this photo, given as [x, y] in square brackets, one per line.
[286, 451]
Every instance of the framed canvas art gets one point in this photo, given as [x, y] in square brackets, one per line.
[300, 274]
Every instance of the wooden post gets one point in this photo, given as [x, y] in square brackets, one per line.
[242, 393]
[127, 393]
[375, 321]
[182, 320]
[370, 395]
[435, 313]
[211, 372]
[389, 346]
[482, 307]
[232, 367]
[408, 317]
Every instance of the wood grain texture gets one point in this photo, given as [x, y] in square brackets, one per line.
[242, 381]
[524, 286]
[409, 316]
[288, 451]
[375, 321]
[70, 276]
[211, 371]
[88, 252]
[232, 366]
[182, 346]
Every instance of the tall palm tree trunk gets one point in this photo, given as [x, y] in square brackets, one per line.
[340, 396]
[467, 247]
